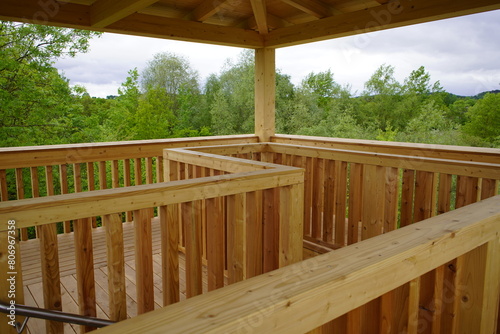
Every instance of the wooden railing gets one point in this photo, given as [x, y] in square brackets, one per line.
[38, 171]
[209, 197]
[392, 268]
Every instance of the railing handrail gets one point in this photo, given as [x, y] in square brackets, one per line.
[34, 156]
[479, 154]
[323, 288]
[50, 209]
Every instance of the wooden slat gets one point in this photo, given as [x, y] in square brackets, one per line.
[236, 237]
[373, 201]
[291, 220]
[215, 243]
[116, 267]
[63, 180]
[438, 299]
[103, 182]
[127, 183]
[340, 202]
[407, 196]
[271, 229]
[21, 195]
[467, 191]
[149, 170]
[317, 198]
[394, 310]
[330, 203]
[254, 243]
[424, 196]
[144, 261]
[355, 202]
[159, 169]
[192, 228]
[84, 255]
[169, 221]
[391, 199]
[308, 197]
[414, 306]
[444, 193]
[4, 196]
[91, 185]
[489, 188]
[115, 174]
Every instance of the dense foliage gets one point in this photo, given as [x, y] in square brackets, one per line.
[167, 99]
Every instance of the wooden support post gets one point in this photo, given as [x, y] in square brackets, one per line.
[265, 93]
[116, 267]
[144, 261]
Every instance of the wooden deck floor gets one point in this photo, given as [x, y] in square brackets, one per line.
[30, 258]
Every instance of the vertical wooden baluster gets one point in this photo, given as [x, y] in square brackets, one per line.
[414, 306]
[407, 197]
[467, 191]
[6, 237]
[391, 199]
[49, 256]
[271, 229]
[308, 197]
[438, 299]
[35, 187]
[424, 196]
[144, 261]
[490, 288]
[116, 266]
[159, 170]
[115, 174]
[63, 179]
[91, 185]
[149, 170]
[169, 224]
[254, 233]
[373, 201]
[236, 238]
[355, 203]
[291, 220]
[215, 243]
[103, 182]
[340, 202]
[127, 183]
[192, 229]
[84, 255]
[138, 171]
[489, 188]
[444, 194]
[20, 195]
[329, 191]
[317, 204]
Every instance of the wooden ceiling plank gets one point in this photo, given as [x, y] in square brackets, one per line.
[312, 7]
[183, 30]
[207, 9]
[394, 14]
[260, 14]
[273, 22]
[106, 12]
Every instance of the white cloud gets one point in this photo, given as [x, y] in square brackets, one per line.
[461, 53]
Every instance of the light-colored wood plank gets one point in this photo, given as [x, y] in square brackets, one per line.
[236, 237]
[260, 13]
[116, 267]
[106, 12]
[373, 201]
[331, 181]
[192, 228]
[169, 222]
[424, 196]
[254, 243]
[291, 220]
[215, 243]
[355, 203]
[144, 261]
[265, 87]
[391, 199]
[407, 197]
[317, 198]
[340, 202]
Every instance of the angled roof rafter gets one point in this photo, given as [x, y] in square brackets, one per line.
[105, 12]
[260, 14]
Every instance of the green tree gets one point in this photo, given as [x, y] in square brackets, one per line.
[484, 119]
[35, 101]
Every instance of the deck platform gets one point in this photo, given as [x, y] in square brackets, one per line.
[33, 292]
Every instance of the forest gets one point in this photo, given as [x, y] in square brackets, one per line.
[167, 99]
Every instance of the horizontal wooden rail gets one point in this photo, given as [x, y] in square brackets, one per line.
[479, 154]
[303, 296]
[32, 156]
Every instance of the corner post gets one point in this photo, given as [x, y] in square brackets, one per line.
[265, 93]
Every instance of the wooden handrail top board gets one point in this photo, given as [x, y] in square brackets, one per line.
[479, 154]
[33, 156]
[302, 296]
[215, 161]
[458, 167]
[45, 210]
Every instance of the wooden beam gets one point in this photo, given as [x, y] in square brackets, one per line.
[313, 7]
[184, 30]
[395, 14]
[206, 9]
[265, 93]
[105, 12]
[273, 22]
[260, 14]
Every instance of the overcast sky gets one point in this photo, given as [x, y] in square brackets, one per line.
[462, 53]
